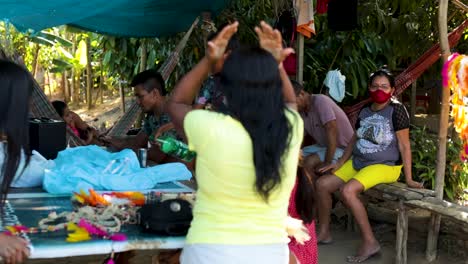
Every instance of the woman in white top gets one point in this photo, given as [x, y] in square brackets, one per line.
[15, 88]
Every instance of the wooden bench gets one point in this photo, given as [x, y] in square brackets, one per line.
[402, 194]
[408, 197]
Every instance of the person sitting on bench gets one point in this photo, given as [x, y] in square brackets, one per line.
[380, 147]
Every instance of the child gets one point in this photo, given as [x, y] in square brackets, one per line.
[76, 124]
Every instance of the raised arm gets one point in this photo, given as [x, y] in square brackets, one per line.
[271, 41]
[180, 103]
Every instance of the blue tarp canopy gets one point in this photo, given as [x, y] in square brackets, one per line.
[130, 18]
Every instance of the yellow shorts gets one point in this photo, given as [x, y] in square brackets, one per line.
[371, 175]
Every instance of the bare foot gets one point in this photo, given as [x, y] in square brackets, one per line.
[366, 251]
[324, 238]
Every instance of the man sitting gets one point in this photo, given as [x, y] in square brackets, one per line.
[150, 94]
[327, 124]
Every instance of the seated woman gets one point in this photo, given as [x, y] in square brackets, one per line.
[380, 147]
[76, 124]
[244, 179]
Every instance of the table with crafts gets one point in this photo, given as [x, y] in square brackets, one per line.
[26, 207]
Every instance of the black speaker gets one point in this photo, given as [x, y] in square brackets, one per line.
[47, 136]
[342, 15]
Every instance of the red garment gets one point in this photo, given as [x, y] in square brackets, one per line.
[75, 130]
[322, 6]
[307, 253]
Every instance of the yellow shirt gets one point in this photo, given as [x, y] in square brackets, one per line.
[228, 210]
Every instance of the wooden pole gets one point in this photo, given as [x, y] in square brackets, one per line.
[122, 97]
[300, 61]
[89, 74]
[143, 62]
[413, 101]
[433, 234]
[402, 234]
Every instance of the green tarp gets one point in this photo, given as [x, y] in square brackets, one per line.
[130, 18]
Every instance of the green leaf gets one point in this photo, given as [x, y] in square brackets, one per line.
[107, 58]
[42, 41]
[56, 39]
[65, 53]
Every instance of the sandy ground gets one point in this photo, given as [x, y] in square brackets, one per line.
[102, 115]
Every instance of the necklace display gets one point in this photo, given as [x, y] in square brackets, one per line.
[455, 77]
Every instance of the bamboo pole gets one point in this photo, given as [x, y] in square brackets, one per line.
[433, 235]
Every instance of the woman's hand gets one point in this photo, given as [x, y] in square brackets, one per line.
[13, 249]
[271, 41]
[217, 46]
[414, 184]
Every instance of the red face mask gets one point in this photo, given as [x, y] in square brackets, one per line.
[379, 96]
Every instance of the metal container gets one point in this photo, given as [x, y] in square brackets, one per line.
[142, 157]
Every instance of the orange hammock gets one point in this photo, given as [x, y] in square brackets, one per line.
[408, 76]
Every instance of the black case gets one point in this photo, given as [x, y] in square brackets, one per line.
[171, 217]
[47, 136]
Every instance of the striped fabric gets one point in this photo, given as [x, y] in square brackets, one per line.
[416, 69]
[40, 105]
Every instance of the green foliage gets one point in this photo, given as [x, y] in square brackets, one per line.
[393, 33]
[424, 152]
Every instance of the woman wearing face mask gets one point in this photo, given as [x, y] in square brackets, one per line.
[378, 151]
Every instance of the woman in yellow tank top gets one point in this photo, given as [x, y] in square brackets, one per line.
[246, 157]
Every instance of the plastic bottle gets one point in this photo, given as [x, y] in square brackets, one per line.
[176, 148]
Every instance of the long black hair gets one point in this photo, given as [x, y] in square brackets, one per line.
[60, 107]
[252, 85]
[304, 198]
[15, 88]
[382, 72]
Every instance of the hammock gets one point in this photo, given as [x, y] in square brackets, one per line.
[416, 69]
[40, 105]
[128, 119]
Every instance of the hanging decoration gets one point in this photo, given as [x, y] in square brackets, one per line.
[455, 77]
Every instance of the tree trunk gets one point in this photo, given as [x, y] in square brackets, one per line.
[62, 86]
[143, 55]
[74, 89]
[48, 84]
[35, 59]
[143, 63]
[101, 84]
[89, 75]
[122, 96]
[434, 227]
[66, 87]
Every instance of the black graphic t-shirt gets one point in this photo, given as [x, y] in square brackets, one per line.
[376, 135]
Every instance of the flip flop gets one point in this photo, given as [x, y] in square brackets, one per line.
[360, 259]
[325, 242]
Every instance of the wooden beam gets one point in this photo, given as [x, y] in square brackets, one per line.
[401, 234]
[434, 228]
